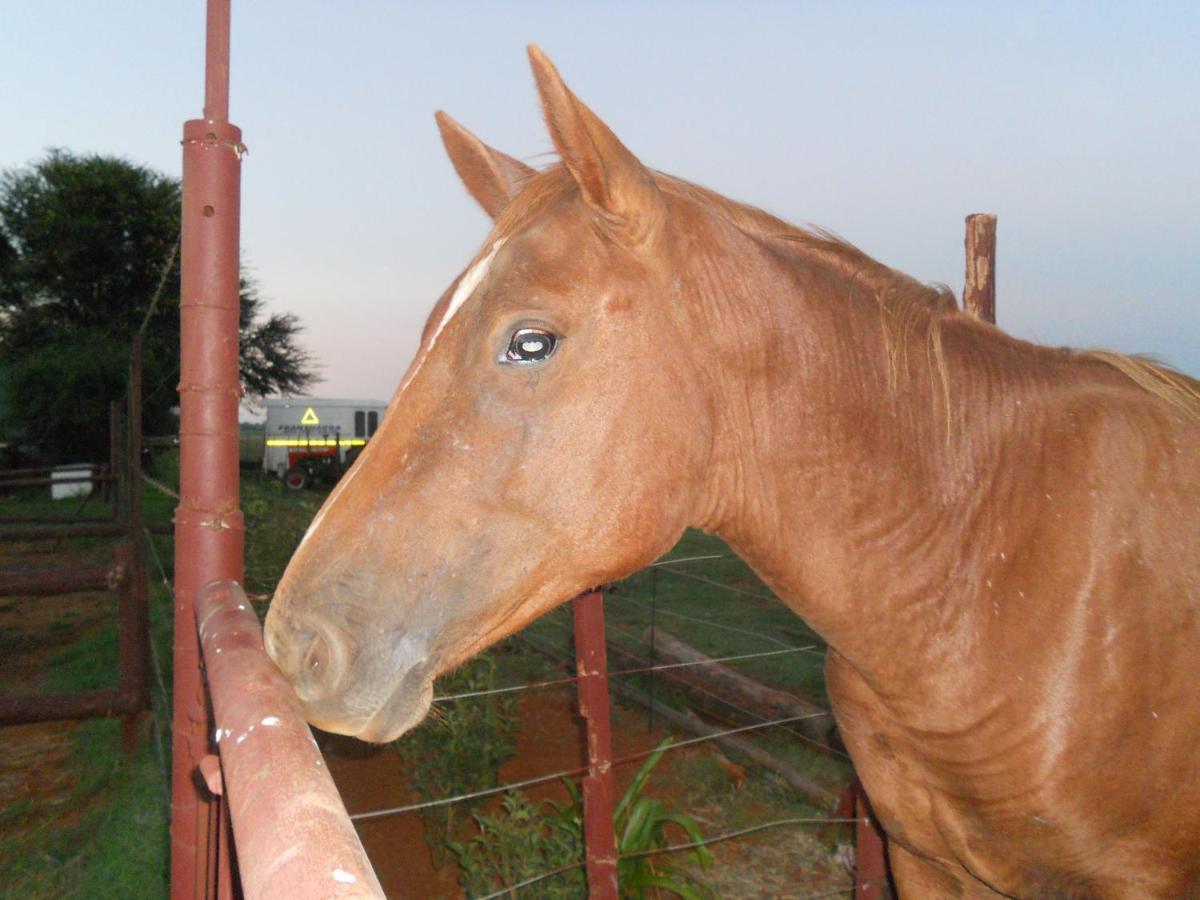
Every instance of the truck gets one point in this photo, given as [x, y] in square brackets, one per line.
[309, 439]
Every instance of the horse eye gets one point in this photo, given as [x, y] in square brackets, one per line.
[529, 345]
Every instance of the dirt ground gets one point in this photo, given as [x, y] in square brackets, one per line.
[784, 862]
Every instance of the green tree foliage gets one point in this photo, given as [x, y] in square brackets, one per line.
[85, 243]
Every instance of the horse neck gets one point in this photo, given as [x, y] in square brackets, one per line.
[845, 463]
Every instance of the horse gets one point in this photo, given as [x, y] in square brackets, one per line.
[998, 540]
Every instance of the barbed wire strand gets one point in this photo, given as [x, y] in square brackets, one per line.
[515, 688]
[717, 625]
[156, 664]
[529, 882]
[763, 719]
[708, 841]
[541, 779]
[159, 486]
[742, 832]
[158, 675]
[686, 559]
[459, 798]
[688, 742]
[770, 598]
[636, 600]
[820, 745]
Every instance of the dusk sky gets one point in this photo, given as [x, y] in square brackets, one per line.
[1078, 124]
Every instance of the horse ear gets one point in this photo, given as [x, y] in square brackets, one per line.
[492, 178]
[612, 180]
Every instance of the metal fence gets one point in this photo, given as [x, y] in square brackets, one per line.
[255, 764]
[123, 573]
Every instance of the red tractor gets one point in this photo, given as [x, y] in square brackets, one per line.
[319, 458]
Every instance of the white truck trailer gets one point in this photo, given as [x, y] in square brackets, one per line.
[310, 438]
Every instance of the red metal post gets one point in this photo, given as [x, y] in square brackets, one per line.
[591, 662]
[870, 857]
[293, 836]
[208, 521]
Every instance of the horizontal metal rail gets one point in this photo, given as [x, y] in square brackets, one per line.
[42, 532]
[48, 582]
[6, 474]
[54, 707]
[41, 481]
[292, 835]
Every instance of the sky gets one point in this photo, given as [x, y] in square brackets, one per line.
[1077, 124]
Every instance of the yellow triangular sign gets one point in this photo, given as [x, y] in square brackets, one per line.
[310, 418]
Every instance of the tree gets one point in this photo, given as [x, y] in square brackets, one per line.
[87, 256]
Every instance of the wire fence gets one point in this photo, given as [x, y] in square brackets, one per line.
[780, 649]
[691, 845]
[623, 598]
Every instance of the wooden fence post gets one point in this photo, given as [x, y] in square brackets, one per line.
[591, 662]
[979, 292]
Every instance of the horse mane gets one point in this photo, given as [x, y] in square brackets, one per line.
[906, 305]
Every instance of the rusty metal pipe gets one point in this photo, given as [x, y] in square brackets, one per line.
[54, 707]
[11, 531]
[294, 839]
[208, 521]
[591, 662]
[49, 582]
[50, 482]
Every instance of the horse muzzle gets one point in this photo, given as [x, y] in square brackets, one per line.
[346, 689]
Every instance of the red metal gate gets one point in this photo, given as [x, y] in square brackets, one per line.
[268, 782]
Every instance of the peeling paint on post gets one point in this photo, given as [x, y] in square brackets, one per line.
[294, 839]
[591, 663]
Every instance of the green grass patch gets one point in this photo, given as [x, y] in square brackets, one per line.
[115, 840]
[112, 837]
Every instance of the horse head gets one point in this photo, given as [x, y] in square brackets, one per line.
[551, 434]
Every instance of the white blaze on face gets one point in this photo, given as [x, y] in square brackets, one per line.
[466, 287]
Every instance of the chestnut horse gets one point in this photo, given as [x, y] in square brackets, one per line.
[999, 541]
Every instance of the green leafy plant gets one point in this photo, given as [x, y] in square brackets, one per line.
[526, 839]
[523, 840]
[641, 824]
[459, 749]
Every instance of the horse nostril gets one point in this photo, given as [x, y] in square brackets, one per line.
[313, 663]
[316, 659]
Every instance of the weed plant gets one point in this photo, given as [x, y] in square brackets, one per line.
[459, 749]
[525, 840]
[521, 841]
